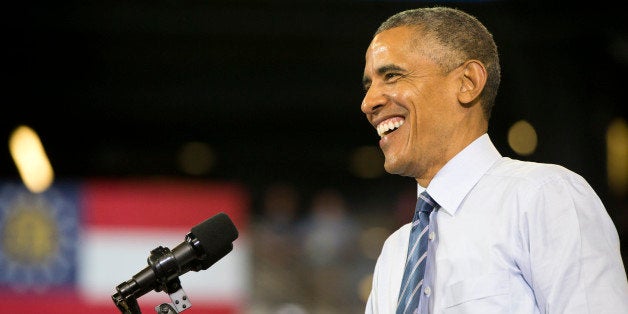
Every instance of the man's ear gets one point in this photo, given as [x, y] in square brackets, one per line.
[473, 79]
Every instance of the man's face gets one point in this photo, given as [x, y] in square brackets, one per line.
[411, 103]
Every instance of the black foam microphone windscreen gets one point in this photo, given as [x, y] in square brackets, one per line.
[215, 236]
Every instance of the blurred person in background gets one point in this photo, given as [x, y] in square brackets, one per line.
[278, 274]
[505, 236]
[329, 236]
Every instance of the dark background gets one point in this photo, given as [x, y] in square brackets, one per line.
[114, 88]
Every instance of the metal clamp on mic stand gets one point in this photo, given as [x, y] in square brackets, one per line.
[162, 272]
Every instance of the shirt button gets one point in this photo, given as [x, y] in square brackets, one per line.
[427, 291]
[431, 235]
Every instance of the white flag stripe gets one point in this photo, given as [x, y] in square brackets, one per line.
[108, 257]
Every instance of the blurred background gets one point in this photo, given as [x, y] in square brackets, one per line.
[153, 110]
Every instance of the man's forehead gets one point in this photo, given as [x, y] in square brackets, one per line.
[378, 47]
[392, 41]
[376, 53]
[385, 51]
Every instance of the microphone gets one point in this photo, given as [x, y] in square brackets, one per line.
[204, 245]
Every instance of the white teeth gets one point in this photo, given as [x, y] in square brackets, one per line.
[388, 125]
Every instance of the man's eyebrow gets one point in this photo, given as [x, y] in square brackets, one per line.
[389, 67]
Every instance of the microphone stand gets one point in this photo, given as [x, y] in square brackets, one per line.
[180, 301]
[161, 263]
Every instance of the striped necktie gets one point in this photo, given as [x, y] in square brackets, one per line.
[417, 252]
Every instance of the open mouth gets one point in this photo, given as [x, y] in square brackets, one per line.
[388, 126]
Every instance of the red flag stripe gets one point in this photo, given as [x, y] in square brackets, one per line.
[161, 202]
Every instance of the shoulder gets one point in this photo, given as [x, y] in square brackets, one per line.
[533, 186]
[530, 175]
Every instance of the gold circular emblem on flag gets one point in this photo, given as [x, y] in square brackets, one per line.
[30, 234]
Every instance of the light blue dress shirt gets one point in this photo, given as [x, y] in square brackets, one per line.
[510, 237]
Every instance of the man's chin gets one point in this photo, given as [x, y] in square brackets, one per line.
[394, 166]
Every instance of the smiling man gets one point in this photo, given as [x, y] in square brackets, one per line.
[490, 234]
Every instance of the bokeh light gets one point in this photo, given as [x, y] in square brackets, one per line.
[522, 138]
[30, 158]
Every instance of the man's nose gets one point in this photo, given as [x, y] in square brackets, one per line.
[373, 100]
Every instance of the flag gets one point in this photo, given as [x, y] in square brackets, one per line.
[67, 249]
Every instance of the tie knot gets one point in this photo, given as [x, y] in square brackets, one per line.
[425, 203]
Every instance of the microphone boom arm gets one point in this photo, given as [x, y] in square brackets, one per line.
[162, 268]
[206, 243]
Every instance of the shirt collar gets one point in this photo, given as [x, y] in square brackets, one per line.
[454, 181]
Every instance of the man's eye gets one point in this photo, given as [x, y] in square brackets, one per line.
[389, 76]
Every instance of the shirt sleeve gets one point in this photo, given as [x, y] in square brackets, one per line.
[574, 261]
[387, 273]
[371, 303]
